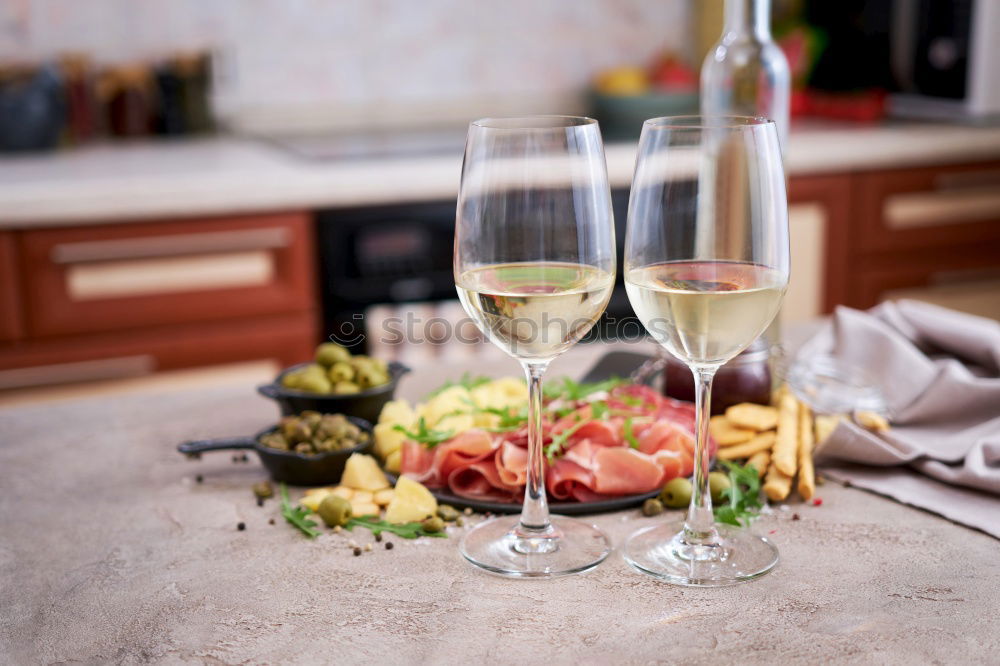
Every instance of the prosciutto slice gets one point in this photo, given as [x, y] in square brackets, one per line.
[598, 459]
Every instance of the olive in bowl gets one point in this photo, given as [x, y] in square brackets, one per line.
[336, 382]
[306, 450]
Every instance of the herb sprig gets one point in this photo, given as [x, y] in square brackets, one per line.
[404, 530]
[429, 437]
[297, 515]
[567, 389]
[467, 381]
[743, 495]
[630, 434]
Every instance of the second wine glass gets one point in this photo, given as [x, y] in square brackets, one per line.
[534, 268]
[706, 267]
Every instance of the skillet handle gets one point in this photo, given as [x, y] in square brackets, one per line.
[202, 445]
[268, 391]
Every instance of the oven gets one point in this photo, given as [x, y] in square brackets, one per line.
[398, 258]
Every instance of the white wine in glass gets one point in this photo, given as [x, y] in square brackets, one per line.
[706, 268]
[534, 268]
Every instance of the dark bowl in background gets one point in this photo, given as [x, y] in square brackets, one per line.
[287, 466]
[365, 405]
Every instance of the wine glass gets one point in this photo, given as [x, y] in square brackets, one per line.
[706, 267]
[534, 268]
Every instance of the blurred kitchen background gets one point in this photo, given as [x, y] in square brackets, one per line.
[199, 189]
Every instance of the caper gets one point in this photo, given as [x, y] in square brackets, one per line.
[344, 388]
[304, 448]
[718, 482]
[652, 507]
[433, 524]
[299, 432]
[447, 513]
[329, 353]
[334, 510]
[676, 494]
[341, 372]
[263, 490]
[312, 418]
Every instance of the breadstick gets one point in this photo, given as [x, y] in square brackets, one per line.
[807, 478]
[777, 485]
[762, 442]
[786, 444]
[760, 461]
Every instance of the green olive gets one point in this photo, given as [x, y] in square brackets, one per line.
[433, 524]
[341, 372]
[676, 494]
[334, 510]
[314, 384]
[343, 388]
[652, 507]
[291, 380]
[718, 482]
[448, 513]
[329, 353]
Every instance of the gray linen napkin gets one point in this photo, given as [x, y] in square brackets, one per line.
[940, 373]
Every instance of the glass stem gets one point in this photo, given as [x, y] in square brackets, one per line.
[535, 514]
[699, 526]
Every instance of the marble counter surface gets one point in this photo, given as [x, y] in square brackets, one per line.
[230, 175]
[112, 552]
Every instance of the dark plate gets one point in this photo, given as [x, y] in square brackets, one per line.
[613, 364]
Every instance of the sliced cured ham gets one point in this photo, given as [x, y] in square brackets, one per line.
[564, 479]
[596, 461]
[469, 446]
[625, 471]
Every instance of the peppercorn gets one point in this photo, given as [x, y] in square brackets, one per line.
[271, 521]
[199, 478]
[796, 516]
[241, 526]
[388, 545]
[378, 536]
[357, 552]
[260, 501]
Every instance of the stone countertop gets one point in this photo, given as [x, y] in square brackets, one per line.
[230, 175]
[111, 552]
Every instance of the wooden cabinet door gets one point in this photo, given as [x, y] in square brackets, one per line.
[124, 276]
[819, 229]
[11, 323]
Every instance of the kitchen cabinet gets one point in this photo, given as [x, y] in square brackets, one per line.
[818, 221]
[114, 300]
[928, 233]
[11, 325]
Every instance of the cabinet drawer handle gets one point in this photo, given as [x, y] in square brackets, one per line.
[170, 246]
[928, 209]
[82, 371]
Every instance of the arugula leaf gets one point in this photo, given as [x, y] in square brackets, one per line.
[743, 495]
[600, 410]
[467, 380]
[509, 420]
[424, 435]
[567, 389]
[404, 530]
[629, 435]
[297, 515]
[555, 447]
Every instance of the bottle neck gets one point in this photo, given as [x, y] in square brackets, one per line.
[748, 18]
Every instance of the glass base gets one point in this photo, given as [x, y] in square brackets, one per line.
[737, 556]
[501, 547]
